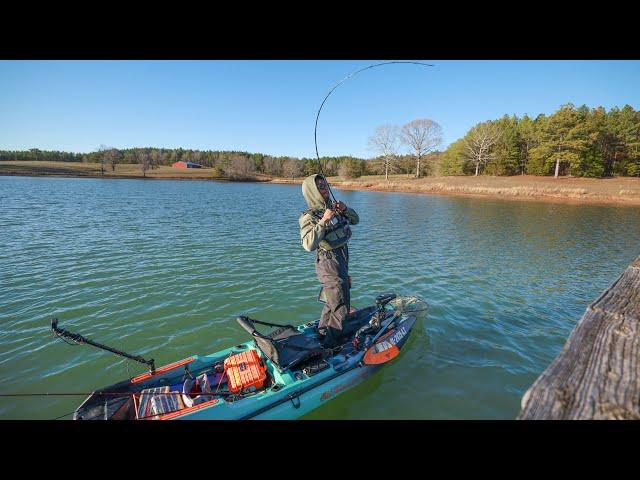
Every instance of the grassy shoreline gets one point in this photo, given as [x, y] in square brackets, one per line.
[619, 191]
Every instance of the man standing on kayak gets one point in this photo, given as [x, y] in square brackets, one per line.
[324, 227]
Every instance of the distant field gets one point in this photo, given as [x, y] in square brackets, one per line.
[622, 190]
[74, 169]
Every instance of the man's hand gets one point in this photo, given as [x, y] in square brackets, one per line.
[340, 206]
[328, 215]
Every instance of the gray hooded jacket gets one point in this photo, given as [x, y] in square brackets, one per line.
[316, 233]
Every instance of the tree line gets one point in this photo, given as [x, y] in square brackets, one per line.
[577, 141]
[581, 142]
[232, 164]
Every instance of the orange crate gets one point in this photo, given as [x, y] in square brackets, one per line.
[245, 370]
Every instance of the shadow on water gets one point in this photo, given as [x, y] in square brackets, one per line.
[343, 406]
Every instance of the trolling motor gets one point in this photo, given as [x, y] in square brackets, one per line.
[61, 332]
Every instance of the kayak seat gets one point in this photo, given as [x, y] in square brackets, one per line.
[286, 346]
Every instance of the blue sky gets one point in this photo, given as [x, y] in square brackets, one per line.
[270, 106]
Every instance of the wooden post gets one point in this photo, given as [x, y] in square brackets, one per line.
[597, 373]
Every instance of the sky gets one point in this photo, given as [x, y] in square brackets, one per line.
[270, 107]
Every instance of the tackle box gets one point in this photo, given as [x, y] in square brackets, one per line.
[245, 370]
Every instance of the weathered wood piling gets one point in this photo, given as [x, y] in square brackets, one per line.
[597, 373]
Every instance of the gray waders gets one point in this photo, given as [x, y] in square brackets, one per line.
[332, 268]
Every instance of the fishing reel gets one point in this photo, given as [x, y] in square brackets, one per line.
[335, 210]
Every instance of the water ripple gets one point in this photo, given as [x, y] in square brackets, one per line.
[161, 269]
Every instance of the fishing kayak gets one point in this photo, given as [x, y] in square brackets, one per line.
[279, 375]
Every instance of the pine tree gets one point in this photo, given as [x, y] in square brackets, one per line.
[562, 141]
[507, 149]
[527, 139]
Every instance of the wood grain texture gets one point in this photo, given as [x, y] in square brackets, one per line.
[597, 373]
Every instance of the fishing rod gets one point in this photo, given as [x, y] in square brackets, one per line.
[62, 333]
[315, 131]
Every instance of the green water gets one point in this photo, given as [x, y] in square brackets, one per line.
[161, 269]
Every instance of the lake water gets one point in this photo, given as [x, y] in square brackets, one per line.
[161, 269]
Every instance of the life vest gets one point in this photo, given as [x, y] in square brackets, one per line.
[337, 231]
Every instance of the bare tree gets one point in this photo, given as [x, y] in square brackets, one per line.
[344, 171]
[111, 157]
[273, 166]
[144, 159]
[421, 136]
[385, 142]
[156, 158]
[331, 167]
[102, 156]
[240, 168]
[292, 167]
[479, 143]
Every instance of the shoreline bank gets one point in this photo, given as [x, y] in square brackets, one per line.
[576, 191]
[621, 191]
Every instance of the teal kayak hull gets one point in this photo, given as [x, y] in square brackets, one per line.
[288, 395]
[294, 400]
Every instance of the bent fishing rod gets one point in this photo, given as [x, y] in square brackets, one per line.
[352, 74]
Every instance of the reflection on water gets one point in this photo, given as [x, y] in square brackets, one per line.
[161, 268]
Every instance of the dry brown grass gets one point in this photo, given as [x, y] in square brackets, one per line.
[442, 187]
[582, 190]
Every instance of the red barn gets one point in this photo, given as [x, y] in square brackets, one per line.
[186, 165]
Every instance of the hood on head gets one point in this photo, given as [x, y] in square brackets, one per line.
[311, 193]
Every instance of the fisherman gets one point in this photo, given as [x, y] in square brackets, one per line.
[324, 227]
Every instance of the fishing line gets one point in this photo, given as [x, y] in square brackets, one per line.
[315, 130]
[65, 415]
